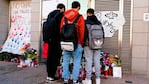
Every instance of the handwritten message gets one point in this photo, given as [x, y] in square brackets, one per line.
[111, 21]
[19, 34]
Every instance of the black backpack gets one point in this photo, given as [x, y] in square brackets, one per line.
[48, 27]
[69, 32]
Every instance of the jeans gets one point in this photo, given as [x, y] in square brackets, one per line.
[76, 55]
[92, 56]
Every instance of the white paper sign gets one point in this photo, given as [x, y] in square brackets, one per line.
[111, 21]
[117, 72]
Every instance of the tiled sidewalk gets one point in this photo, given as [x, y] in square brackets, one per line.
[10, 74]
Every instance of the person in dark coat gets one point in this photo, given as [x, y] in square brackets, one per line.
[54, 50]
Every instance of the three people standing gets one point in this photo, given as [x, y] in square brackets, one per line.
[54, 54]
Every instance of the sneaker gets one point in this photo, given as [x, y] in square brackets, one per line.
[87, 81]
[76, 82]
[83, 81]
[65, 81]
[56, 78]
[98, 81]
[48, 79]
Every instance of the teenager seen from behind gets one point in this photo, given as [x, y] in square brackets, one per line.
[92, 56]
[71, 15]
[54, 50]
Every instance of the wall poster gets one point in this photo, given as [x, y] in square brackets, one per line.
[20, 24]
[111, 21]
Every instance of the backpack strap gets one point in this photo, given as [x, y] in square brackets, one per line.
[65, 20]
[77, 18]
[75, 21]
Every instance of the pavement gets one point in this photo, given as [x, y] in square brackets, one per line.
[11, 74]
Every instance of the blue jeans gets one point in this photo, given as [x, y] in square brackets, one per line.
[76, 55]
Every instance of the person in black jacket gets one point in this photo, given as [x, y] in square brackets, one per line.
[54, 50]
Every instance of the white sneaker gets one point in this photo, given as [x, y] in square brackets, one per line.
[65, 81]
[76, 82]
[50, 79]
[98, 81]
[86, 81]
[83, 81]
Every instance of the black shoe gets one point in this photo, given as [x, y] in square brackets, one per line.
[65, 83]
[56, 78]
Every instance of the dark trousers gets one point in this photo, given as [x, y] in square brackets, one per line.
[54, 55]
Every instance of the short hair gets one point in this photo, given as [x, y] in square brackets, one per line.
[60, 6]
[75, 4]
[90, 10]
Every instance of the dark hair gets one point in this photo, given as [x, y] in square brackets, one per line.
[90, 10]
[75, 4]
[60, 5]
